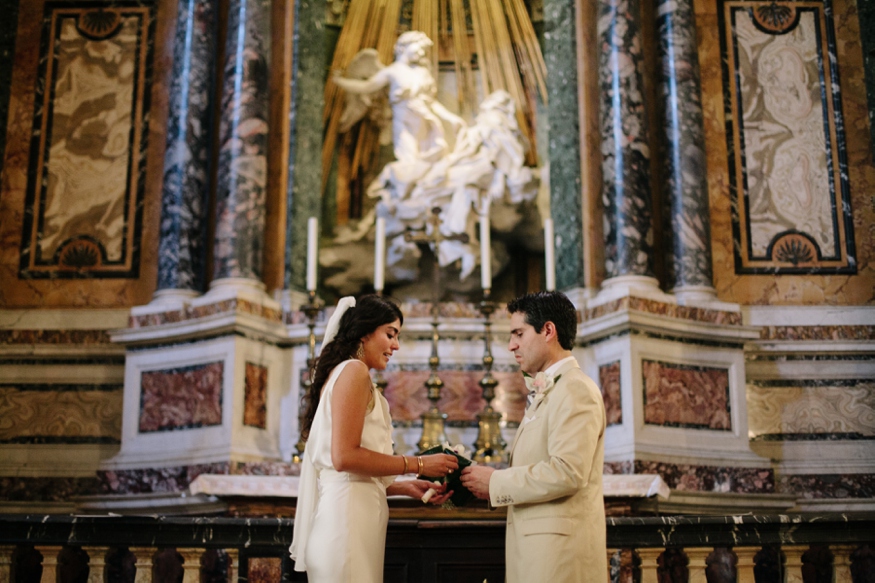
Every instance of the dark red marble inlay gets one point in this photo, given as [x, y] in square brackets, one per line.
[181, 398]
[680, 395]
[255, 396]
[461, 396]
[265, 569]
[609, 382]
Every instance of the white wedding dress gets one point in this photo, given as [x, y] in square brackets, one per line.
[340, 520]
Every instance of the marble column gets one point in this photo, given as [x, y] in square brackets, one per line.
[625, 148]
[181, 248]
[305, 140]
[687, 215]
[242, 169]
[560, 56]
[8, 32]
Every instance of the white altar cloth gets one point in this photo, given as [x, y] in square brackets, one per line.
[615, 486]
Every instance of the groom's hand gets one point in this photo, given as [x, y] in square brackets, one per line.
[476, 479]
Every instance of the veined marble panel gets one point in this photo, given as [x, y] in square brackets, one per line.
[265, 569]
[710, 478]
[786, 138]
[695, 397]
[255, 396]
[193, 312]
[461, 396]
[87, 166]
[181, 398]
[609, 383]
[46, 490]
[829, 486]
[172, 479]
[58, 414]
[650, 306]
[839, 410]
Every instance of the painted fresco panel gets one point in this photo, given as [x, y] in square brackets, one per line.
[786, 139]
[86, 177]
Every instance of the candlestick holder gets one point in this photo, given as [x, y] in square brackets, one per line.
[311, 310]
[433, 420]
[490, 444]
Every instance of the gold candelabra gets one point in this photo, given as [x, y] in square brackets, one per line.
[311, 310]
[433, 420]
[490, 444]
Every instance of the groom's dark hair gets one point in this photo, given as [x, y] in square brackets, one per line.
[551, 306]
[369, 313]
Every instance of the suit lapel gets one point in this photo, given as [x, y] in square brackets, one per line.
[530, 411]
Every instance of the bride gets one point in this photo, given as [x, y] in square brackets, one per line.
[348, 467]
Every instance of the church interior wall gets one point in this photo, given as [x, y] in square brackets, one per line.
[810, 398]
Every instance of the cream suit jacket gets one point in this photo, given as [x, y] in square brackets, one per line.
[553, 487]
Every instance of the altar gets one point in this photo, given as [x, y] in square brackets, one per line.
[264, 496]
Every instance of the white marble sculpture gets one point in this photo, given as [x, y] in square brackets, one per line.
[441, 161]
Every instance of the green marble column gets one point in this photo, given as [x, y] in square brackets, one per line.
[305, 143]
[560, 54]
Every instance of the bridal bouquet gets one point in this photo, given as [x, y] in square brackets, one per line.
[461, 494]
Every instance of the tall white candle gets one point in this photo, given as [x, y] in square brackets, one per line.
[380, 255]
[312, 252]
[485, 251]
[549, 254]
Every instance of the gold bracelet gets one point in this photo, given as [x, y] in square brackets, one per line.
[419, 460]
[404, 457]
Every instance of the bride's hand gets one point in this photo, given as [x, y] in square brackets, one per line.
[438, 465]
[418, 488]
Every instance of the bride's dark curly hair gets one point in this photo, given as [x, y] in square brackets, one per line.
[370, 312]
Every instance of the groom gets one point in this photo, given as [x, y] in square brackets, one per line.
[553, 487]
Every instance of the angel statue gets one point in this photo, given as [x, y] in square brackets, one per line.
[441, 161]
[422, 128]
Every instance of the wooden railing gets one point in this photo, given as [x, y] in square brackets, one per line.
[717, 549]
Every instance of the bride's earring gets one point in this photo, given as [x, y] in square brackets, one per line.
[360, 353]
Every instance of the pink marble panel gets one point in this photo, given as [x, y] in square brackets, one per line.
[255, 396]
[192, 313]
[609, 381]
[264, 469]
[143, 481]
[686, 396]
[265, 569]
[461, 396]
[80, 337]
[818, 333]
[664, 309]
[711, 478]
[181, 398]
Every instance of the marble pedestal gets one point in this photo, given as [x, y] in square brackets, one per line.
[673, 379]
[203, 387]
